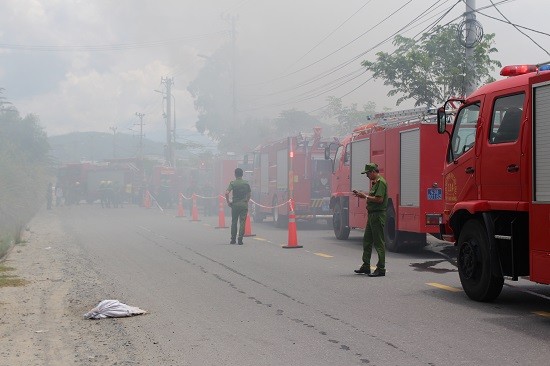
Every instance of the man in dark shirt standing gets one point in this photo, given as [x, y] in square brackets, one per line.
[239, 204]
[377, 202]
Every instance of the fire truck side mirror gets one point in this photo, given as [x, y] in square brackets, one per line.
[441, 120]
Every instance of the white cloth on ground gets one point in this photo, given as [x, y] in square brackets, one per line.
[112, 309]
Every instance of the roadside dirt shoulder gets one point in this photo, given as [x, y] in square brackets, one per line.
[41, 322]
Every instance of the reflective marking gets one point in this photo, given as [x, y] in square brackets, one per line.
[444, 287]
[323, 255]
[260, 239]
[542, 313]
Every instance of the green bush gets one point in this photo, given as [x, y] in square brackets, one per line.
[24, 173]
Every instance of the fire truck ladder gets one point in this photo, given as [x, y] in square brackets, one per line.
[398, 118]
[405, 115]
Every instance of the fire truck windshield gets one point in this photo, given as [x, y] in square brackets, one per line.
[464, 132]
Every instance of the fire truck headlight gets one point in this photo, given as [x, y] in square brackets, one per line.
[434, 219]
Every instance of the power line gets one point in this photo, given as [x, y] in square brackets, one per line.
[355, 58]
[339, 49]
[371, 78]
[315, 92]
[107, 47]
[519, 30]
[330, 34]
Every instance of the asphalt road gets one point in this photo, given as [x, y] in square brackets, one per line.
[211, 303]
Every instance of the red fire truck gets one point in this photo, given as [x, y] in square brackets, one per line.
[82, 180]
[224, 172]
[293, 167]
[164, 185]
[407, 151]
[497, 181]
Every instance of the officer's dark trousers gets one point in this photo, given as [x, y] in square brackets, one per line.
[374, 236]
[239, 210]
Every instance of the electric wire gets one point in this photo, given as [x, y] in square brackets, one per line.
[355, 58]
[493, 5]
[107, 47]
[339, 49]
[371, 78]
[330, 34]
[346, 63]
[315, 92]
[517, 28]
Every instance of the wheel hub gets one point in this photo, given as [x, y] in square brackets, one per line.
[468, 259]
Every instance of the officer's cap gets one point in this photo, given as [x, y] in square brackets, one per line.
[370, 167]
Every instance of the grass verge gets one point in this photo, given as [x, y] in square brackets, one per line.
[7, 280]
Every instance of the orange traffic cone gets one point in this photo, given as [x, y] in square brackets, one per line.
[248, 227]
[292, 236]
[221, 214]
[181, 212]
[147, 200]
[194, 210]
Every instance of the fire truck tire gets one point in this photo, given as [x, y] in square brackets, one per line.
[257, 216]
[391, 235]
[474, 264]
[339, 222]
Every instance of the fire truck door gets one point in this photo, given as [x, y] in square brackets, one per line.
[460, 181]
[500, 170]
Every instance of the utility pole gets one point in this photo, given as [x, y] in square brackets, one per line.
[168, 82]
[232, 20]
[114, 128]
[140, 158]
[140, 115]
[471, 41]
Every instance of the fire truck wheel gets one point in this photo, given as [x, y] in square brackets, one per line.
[257, 216]
[391, 235]
[474, 264]
[339, 222]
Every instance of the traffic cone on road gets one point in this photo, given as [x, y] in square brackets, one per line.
[181, 212]
[292, 235]
[248, 227]
[194, 209]
[221, 214]
[147, 200]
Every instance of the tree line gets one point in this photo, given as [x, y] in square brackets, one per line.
[25, 168]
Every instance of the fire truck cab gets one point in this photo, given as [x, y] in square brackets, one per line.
[497, 182]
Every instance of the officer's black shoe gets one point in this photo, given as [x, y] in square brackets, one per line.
[240, 242]
[232, 241]
[363, 270]
[378, 273]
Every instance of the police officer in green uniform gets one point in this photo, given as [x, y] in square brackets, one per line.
[377, 201]
[239, 205]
